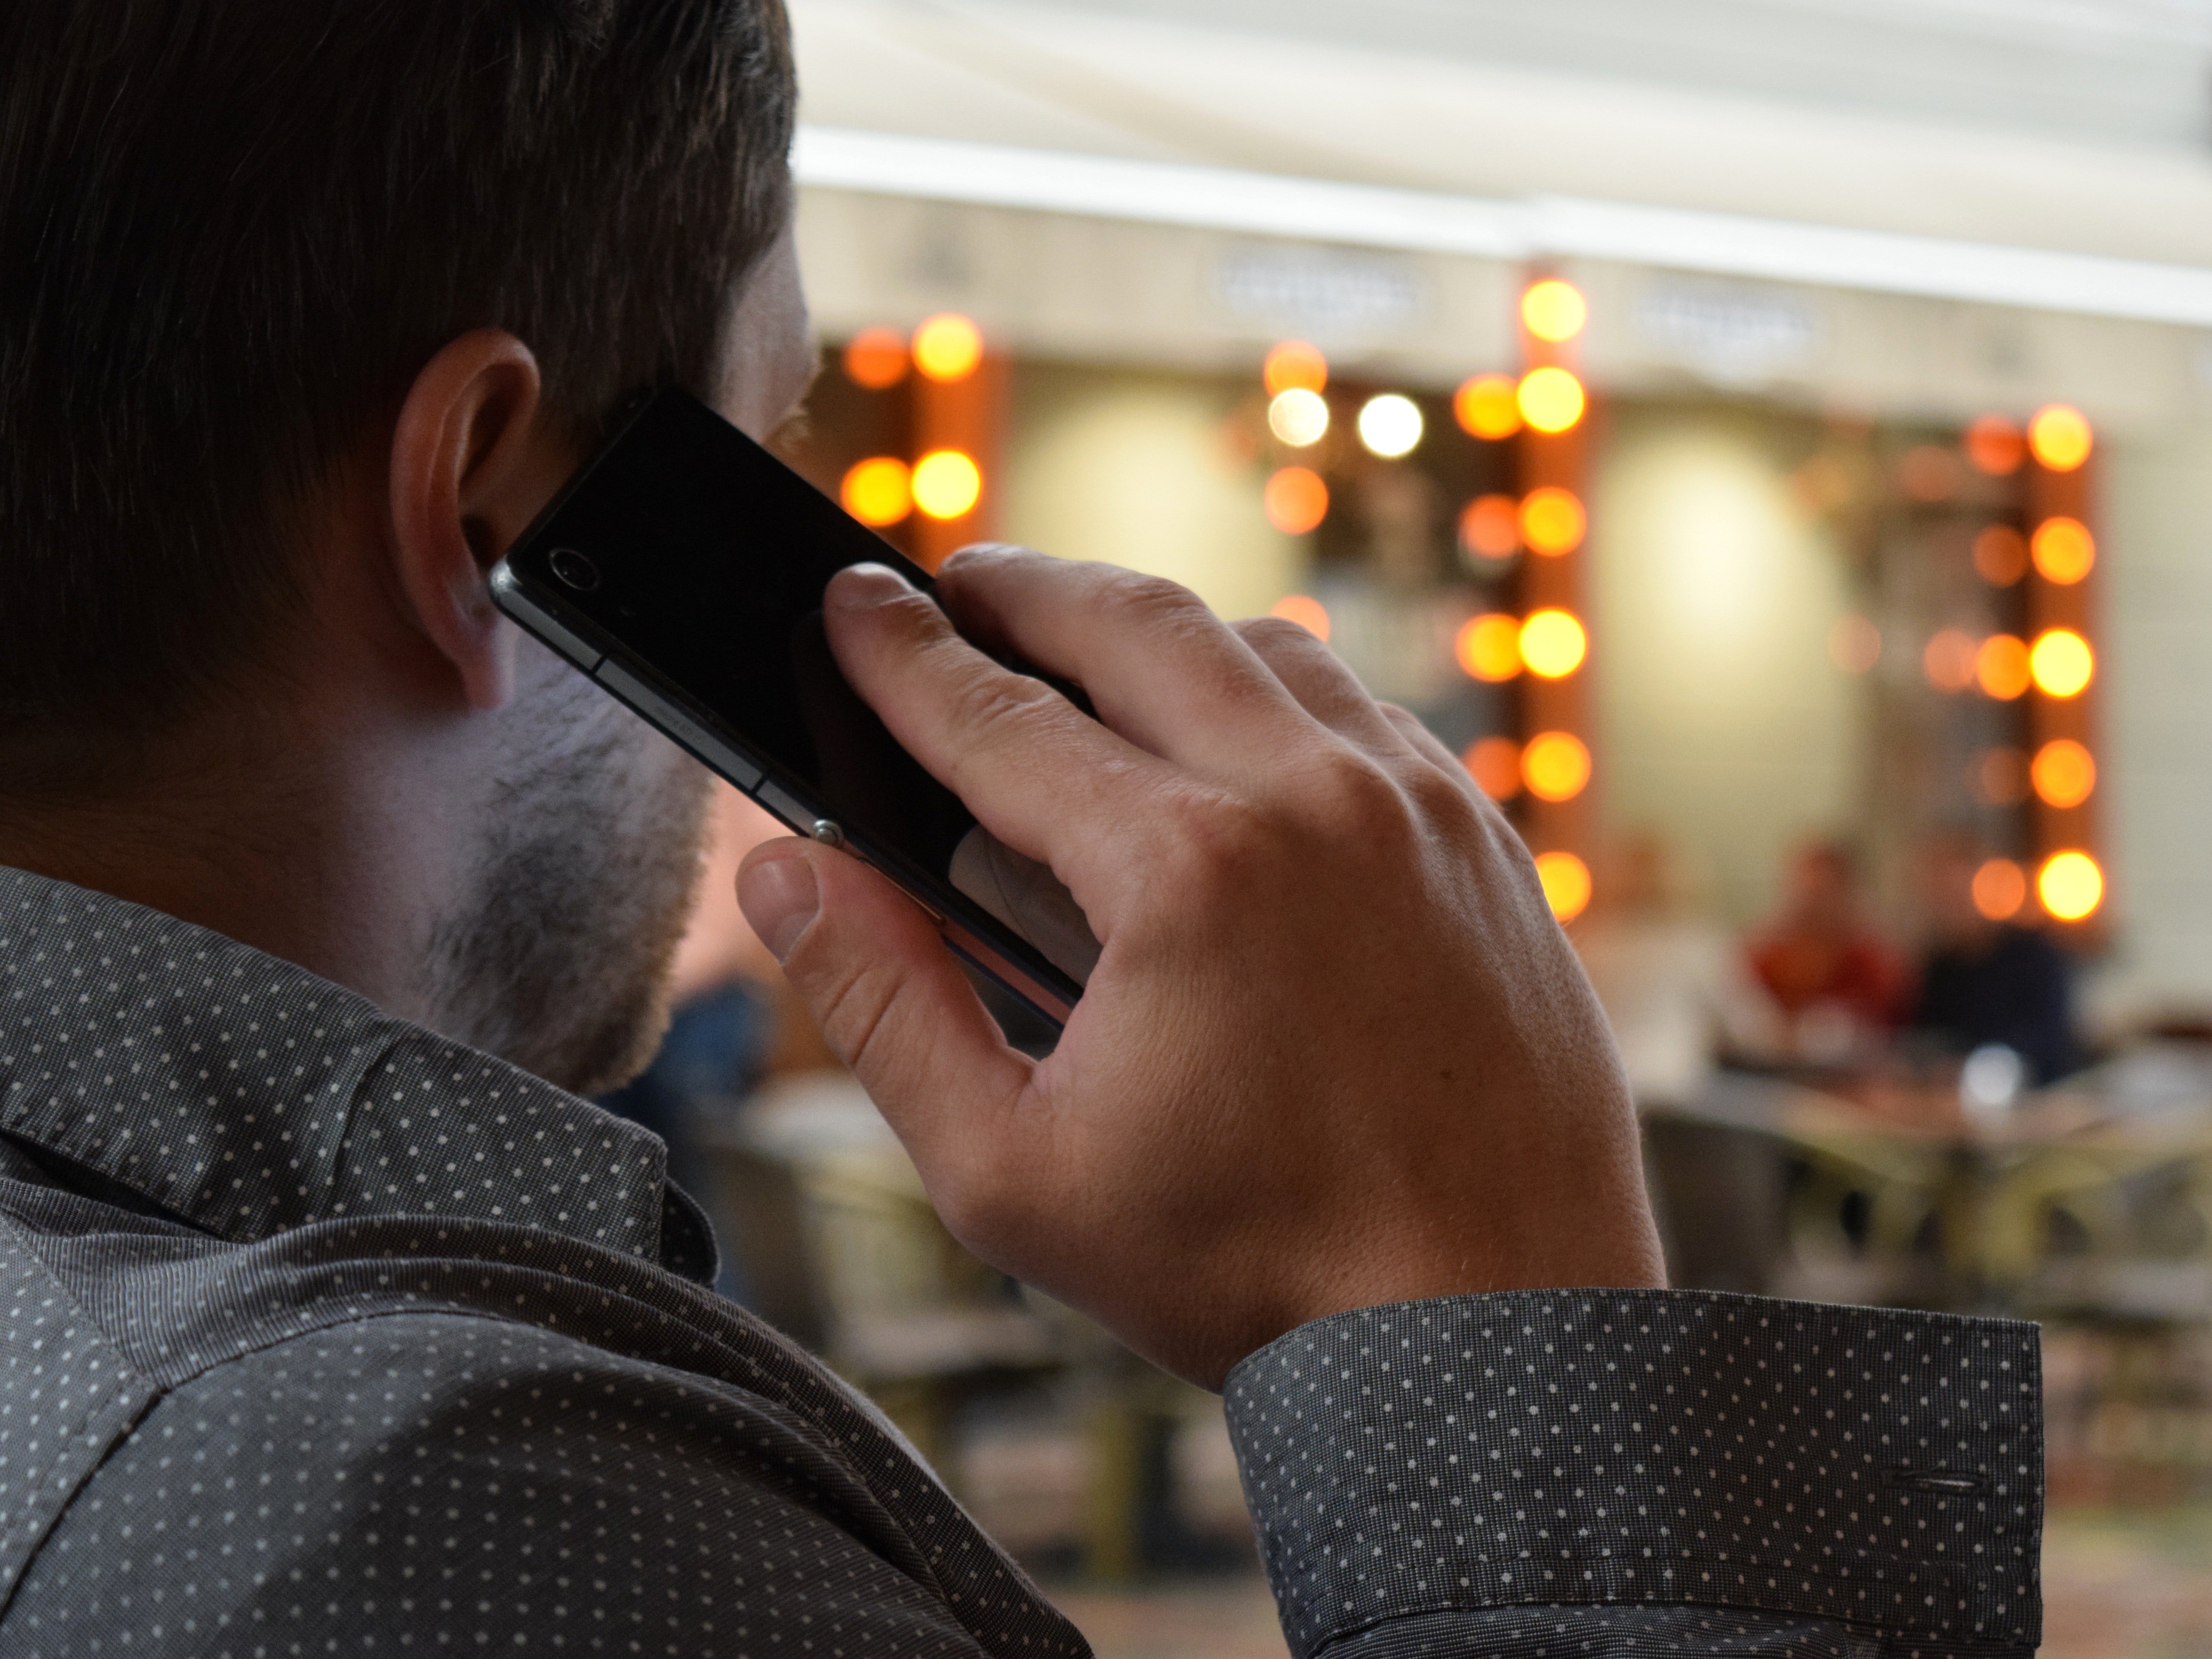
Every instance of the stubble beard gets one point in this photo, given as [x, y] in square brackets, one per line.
[561, 962]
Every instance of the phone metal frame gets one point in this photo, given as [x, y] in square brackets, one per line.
[635, 683]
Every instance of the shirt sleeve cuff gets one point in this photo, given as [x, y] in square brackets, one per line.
[1877, 1468]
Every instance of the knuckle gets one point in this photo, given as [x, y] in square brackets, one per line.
[1351, 794]
[1213, 844]
[993, 706]
[1275, 636]
[1153, 602]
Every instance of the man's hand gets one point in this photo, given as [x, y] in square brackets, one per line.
[1336, 1053]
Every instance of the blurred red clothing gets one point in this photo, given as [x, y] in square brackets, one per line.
[1858, 971]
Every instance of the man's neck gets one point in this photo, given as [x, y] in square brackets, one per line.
[279, 864]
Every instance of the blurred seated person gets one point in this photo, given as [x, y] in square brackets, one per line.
[722, 1025]
[1985, 981]
[1672, 982]
[1839, 981]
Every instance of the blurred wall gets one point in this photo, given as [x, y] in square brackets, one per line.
[2156, 781]
[1139, 470]
[1721, 721]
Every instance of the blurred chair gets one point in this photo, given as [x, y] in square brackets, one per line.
[844, 1254]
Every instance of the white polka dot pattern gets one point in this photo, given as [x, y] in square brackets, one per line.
[398, 1362]
[249, 1097]
[320, 1335]
[1876, 1468]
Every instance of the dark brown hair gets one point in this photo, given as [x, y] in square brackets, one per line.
[231, 232]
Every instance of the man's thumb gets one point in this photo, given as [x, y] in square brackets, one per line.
[890, 999]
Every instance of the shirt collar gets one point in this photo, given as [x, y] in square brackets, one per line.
[246, 1096]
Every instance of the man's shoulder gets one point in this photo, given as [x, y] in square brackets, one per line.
[459, 1479]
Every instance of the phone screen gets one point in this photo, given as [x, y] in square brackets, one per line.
[691, 563]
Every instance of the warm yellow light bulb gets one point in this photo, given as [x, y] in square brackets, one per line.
[1555, 766]
[1488, 407]
[1553, 644]
[1553, 310]
[878, 491]
[1294, 366]
[2059, 437]
[2061, 662]
[1553, 520]
[1566, 881]
[2070, 885]
[2064, 550]
[947, 347]
[1489, 646]
[947, 484]
[2064, 773]
[1550, 399]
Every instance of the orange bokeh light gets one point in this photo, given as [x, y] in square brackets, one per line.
[1555, 766]
[1494, 763]
[878, 491]
[1307, 611]
[2000, 555]
[1488, 407]
[1553, 310]
[875, 358]
[1854, 644]
[947, 484]
[1948, 661]
[1296, 500]
[2071, 886]
[2000, 666]
[2060, 437]
[947, 347]
[1553, 520]
[2063, 549]
[2000, 889]
[2061, 663]
[2064, 773]
[1489, 646]
[1294, 366]
[1554, 644]
[1550, 399]
[1995, 445]
[1490, 528]
[1566, 881]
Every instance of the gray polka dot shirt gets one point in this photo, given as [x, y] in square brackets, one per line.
[321, 1335]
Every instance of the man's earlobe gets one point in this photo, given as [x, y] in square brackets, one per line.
[472, 465]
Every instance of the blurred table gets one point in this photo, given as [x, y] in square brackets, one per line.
[1988, 1180]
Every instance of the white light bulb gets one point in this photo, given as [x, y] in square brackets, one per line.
[1390, 425]
[1298, 416]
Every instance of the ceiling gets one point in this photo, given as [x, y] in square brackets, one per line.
[2078, 127]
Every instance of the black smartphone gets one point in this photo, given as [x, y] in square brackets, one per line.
[682, 568]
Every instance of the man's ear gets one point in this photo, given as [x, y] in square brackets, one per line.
[470, 469]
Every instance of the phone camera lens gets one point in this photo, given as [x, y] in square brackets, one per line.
[573, 568]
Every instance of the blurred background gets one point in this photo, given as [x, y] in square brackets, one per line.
[1772, 441]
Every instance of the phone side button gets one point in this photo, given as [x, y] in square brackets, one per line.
[678, 724]
[538, 621]
[786, 806]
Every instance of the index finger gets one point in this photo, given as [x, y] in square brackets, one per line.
[1037, 771]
